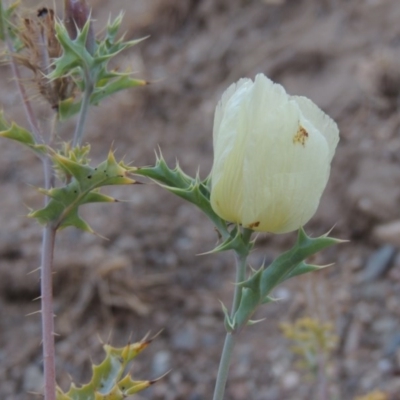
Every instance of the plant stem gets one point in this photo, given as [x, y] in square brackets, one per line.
[46, 290]
[48, 239]
[229, 344]
[224, 364]
[46, 273]
[78, 135]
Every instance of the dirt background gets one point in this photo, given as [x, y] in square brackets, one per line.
[345, 56]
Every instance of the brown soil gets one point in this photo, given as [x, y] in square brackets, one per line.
[147, 276]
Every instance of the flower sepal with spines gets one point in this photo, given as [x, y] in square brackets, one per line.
[194, 190]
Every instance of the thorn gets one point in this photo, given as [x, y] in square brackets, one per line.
[37, 298]
[31, 272]
[33, 313]
[130, 339]
[100, 339]
[330, 230]
[155, 336]
[145, 340]
[109, 337]
[152, 382]
[36, 394]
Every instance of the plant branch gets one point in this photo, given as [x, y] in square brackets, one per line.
[227, 351]
[46, 273]
[48, 239]
[89, 87]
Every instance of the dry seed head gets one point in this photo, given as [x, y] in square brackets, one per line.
[40, 48]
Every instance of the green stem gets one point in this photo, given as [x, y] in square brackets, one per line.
[229, 344]
[78, 135]
[224, 364]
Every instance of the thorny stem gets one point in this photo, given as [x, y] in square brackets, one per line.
[49, 234]
[48, 239]
[229, 344]
[78, 135]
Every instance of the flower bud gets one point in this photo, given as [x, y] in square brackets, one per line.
[272, 156]
[76, 14]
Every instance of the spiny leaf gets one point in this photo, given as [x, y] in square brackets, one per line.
[128, 386]
[303, 268]
[105, 88]
[257, 288]
[63, 208]
[107, 382]
[74, 54]
[15, 132]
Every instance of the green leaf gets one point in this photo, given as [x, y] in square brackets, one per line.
[63, 208]
[5, 16]
[17, 133]
[256, 290]
[115, 85]
[74, 54]
[107, 382]
[129, 387]
[304, 268]
[69, 107]
[248, 303]
[286, 262]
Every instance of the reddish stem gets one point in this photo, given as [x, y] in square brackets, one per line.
[49, 234]
[48, 239]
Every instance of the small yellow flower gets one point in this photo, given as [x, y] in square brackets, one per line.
[272, 156]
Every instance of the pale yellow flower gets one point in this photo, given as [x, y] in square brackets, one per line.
[272, 156]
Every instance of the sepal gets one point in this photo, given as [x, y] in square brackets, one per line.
[193, 190]
[233, 242]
